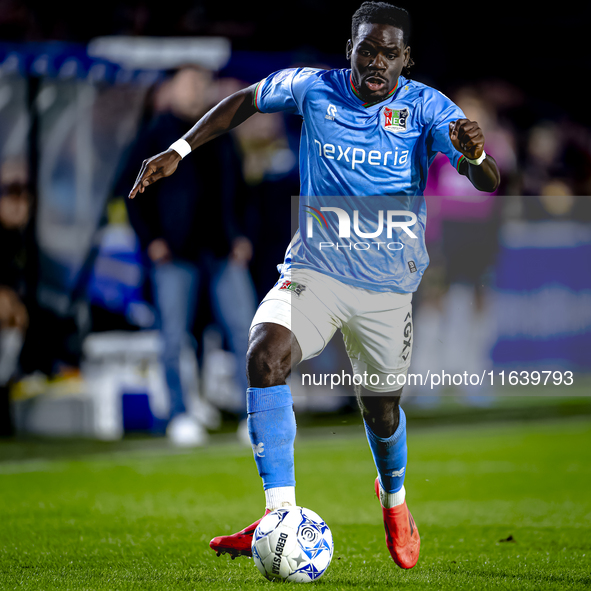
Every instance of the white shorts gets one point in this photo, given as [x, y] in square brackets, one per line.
[376, 326]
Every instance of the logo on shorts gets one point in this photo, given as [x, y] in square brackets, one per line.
[395, 119]
[297, 288]
[407, 336]
[412, 266]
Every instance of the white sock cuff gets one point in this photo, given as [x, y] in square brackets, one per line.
[390, 500]
[282, 496]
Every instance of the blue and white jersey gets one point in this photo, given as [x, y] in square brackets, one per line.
[363, 170]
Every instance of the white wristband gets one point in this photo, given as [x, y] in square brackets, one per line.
[478, 161]
[181, 147]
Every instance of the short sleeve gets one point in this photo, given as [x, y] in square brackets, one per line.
[442, 111]
[284, 90]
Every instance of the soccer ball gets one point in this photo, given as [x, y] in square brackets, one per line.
[292, 544]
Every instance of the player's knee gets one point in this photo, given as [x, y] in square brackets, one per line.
[266, 366]
[271, 351]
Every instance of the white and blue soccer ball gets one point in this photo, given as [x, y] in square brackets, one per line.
[292, 544]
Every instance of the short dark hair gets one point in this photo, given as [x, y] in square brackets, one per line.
[381, 13]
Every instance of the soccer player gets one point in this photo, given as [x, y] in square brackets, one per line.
[368, 137]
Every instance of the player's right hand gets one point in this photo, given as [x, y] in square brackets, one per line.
[155, 168]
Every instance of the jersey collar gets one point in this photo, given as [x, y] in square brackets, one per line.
[370, 104]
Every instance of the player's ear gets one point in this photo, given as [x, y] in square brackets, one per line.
[406, 55]
[349, 49]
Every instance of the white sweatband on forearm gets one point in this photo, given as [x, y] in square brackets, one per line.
[478, 161]
[181, 147]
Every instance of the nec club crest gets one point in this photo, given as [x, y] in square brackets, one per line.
[395, 119]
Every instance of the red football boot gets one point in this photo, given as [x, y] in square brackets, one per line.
[238, 544]
[402, 535]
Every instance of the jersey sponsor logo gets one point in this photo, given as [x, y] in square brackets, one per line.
[356, 156]
[331, 112]
[296, 288]
[395, 119]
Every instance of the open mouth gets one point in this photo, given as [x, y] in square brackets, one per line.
[375, 83]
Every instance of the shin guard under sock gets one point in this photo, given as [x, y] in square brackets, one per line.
[389, 455]
[272, 430]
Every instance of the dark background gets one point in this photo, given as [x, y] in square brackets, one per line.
[541, 48]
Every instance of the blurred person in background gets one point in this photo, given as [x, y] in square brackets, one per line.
[270, 169]
[462, 233]
[557, 198]
[542, 160]
[190, 232]
[556, 178]
[17, 276]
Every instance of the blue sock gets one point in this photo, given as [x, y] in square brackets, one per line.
[272, 430]
[390, 455]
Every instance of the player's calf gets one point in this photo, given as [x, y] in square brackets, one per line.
[380, 411]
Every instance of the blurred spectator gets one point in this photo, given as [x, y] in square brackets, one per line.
[271, 171]
[265, 146]
[557, 199]
[462, 228]
[542, 160]
[556, 178]
[452, 197]
[17, 246]
[188, 226]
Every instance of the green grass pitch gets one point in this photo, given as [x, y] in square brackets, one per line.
[498, 506]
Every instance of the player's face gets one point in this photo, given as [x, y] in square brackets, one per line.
[377, 55]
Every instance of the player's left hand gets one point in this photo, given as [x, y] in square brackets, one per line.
[467, 137]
